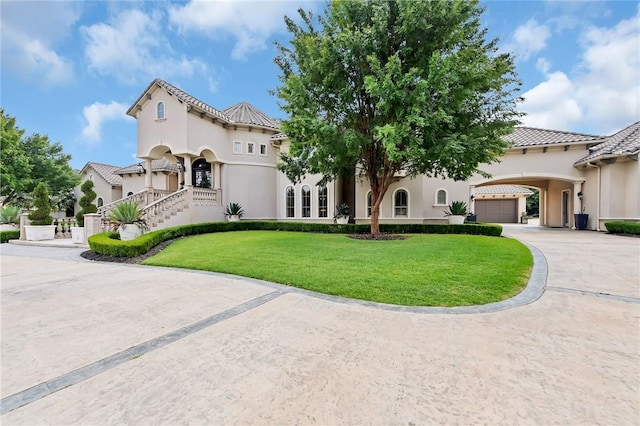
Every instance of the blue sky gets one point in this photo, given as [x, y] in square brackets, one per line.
[71, 69]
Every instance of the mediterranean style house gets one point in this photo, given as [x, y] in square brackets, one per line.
[195, 159]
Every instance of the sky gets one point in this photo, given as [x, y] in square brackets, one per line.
[71, 69]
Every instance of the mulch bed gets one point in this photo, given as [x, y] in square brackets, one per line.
[379, 237]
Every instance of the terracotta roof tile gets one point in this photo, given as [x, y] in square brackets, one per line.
[156, 166]
[625, 142]
[107, 172]
[501, 189]
[245, 113]
[530, 136]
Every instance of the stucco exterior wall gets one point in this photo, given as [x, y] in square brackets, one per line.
[102, 188]
[169, 131]
[135, 183]
[253, 187]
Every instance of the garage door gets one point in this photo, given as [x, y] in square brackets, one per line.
[497, 211]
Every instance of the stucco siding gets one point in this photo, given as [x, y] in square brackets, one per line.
[169, 131]
[101, 187]
[251, 186]
[135, 183]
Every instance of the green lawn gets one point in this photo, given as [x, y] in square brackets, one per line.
[422, 270]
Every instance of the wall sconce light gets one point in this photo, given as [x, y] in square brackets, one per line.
[179, 166]
[473, 197]
[140, 169]
[580, 195]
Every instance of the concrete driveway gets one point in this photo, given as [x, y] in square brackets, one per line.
[102, 343]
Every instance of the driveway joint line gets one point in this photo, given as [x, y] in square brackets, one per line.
[596, 294]
[81, 374]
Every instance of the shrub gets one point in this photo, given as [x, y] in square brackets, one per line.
[108, 243]
[457, 208]
[234, 209]
[10, 214]
[342, 210]
[127, 213]
[9, 235]
[623, 227]
[86, 202]
[41, 216]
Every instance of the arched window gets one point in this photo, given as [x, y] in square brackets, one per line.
[290, 202]
[400, 202]
[369, 204]
[160, 111]
[441, 197]
[322, 202]
[306, 201]
[100, 202]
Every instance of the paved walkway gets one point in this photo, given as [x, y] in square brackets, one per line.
[99, 343]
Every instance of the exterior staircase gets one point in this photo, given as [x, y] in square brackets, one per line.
[164, 209]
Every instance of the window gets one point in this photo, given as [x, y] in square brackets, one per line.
[237, 147]
[251, 148]
[441, 197]
[306, 201]
[160, 111]
[263, 149]
[100, 202]
[291, 202]
[369, 204]
[400, 199]
[322, 202]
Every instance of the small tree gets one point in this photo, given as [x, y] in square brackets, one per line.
[86, 201]
[42, 214]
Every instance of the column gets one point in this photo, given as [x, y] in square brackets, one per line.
[216, 176]
[148, 173]
[472, 199]
[187, 172]
[577, 201]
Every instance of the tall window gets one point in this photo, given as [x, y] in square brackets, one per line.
[291, 202]
[100, 202]
[369, 204]
[400, 202]
[160, 111]
[322, 202]
[441, 197]
[306, 201]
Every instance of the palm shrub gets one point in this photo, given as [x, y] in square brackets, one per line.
[10, 214]
[234, 209]
[457, 208]
[86, 202]
[42, 214]
[127, 213]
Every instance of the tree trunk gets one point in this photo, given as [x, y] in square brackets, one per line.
[375, 218]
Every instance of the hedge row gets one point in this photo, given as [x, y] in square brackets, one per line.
[108, 243]
[623, 227]
[9, 235]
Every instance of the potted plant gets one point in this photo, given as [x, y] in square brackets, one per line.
[524, 219]
[86, 202]
[233, 212]
[128, 216]
[9, 218]
[457, 212]
[582, 220]
[343, 211]
[41, 227]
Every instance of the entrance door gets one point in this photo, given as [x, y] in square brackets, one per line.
[565, 209]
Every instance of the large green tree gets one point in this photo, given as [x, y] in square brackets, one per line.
[379, 87]
[27, 161]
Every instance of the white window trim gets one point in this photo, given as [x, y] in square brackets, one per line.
[237, 143]
[393, 202]
[317, 210]
[294, 202]
[302, 201]
[365, 207]
[446, 198]
[164, 111]
[266, 150]
[253, 145]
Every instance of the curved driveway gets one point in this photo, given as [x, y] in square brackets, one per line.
[99, 343]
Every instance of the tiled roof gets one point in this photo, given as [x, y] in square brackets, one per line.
[530, 136]
[156, 166]
[625, 142]
[107, 172]
[245, 113]
[278, 137]
[242, 113]
[501, 189]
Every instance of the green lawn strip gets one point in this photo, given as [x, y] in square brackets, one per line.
[422, 270]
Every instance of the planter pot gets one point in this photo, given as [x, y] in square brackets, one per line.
[77, 235]
[233, 218]
[9, 227]
[455, 219]
[40, 232]
[129, 231]
[472, 217]
[582, 220]
[342, 220]
[524, 220]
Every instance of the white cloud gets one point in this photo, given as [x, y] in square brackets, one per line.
[543, 65]
[250, 23]
[30, 32]
[133, 47]
[529, 38]
[603, 94]
[98, 114]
